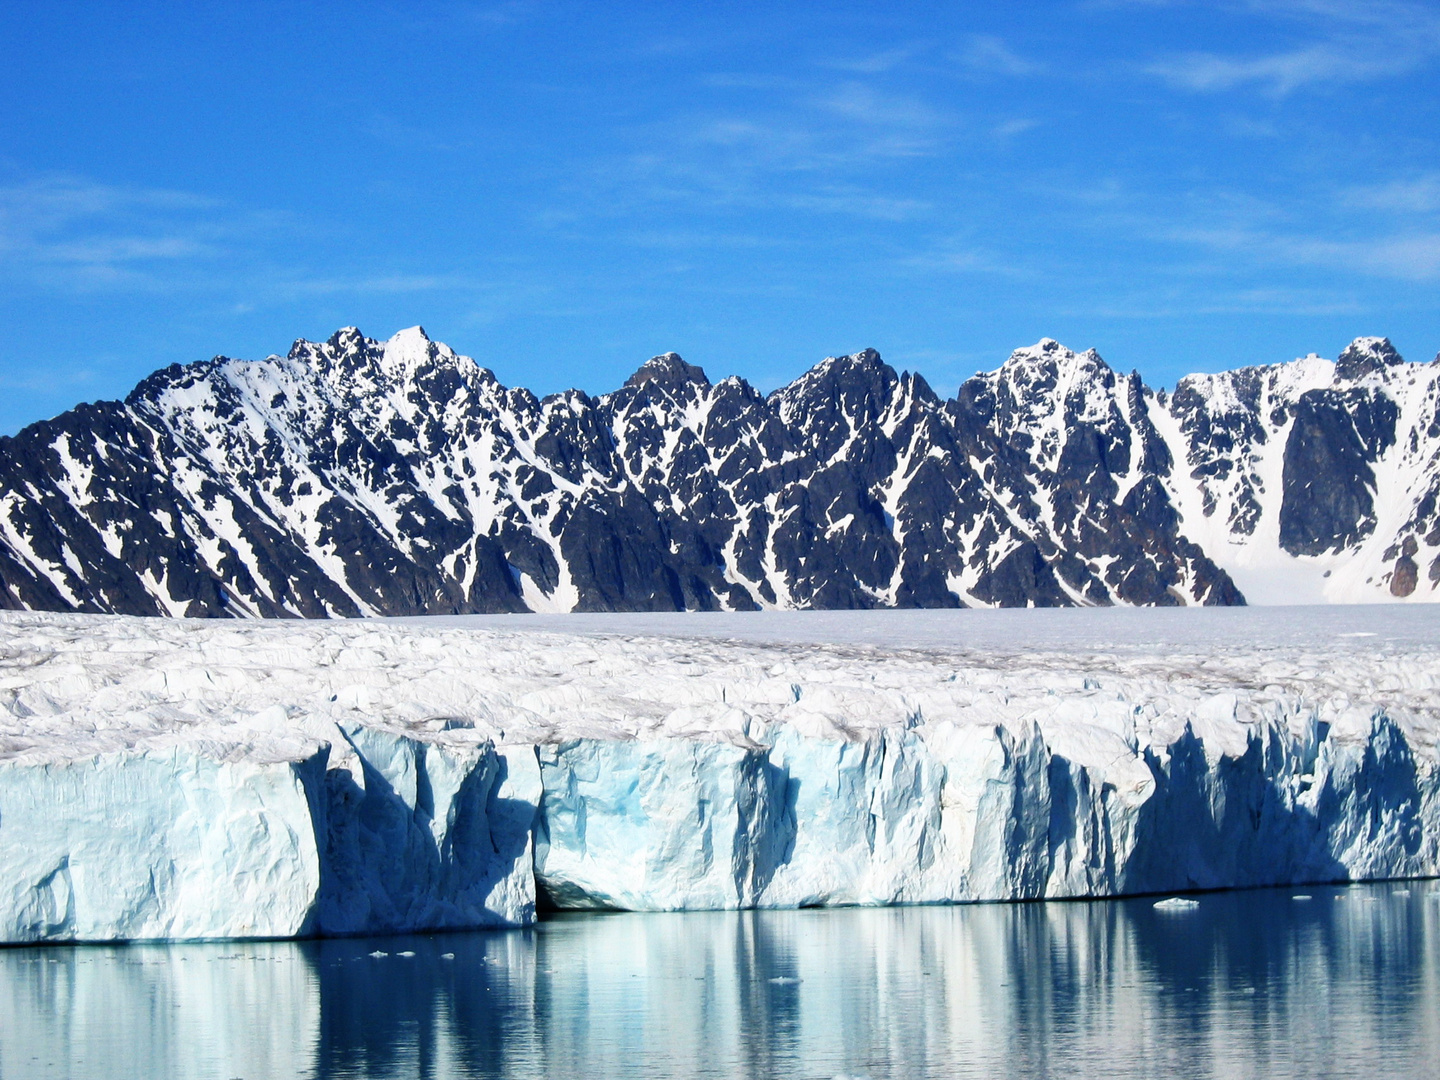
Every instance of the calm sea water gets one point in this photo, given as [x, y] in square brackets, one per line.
[1249, 984]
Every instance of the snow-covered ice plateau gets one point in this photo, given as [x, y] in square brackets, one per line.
[197, 779]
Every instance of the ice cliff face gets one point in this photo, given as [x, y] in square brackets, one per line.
[205, 840]
[172, 779]
[357, 477]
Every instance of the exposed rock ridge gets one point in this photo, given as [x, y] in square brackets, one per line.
[358, 477]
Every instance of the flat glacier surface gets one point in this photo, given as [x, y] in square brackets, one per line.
[1274, 984]
[181, 779]
[1010, 630]
[75, 685]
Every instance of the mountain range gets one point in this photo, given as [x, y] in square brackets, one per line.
[358, 477]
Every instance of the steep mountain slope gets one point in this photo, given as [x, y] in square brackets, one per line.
[355, 477]
[1313, 481]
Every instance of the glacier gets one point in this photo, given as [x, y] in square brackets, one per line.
[188, 779]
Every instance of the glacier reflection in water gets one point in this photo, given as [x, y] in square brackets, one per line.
[1247, 984]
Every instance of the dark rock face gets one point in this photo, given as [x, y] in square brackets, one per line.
[1366, 356]
[355, 477]
[1219, 440]
[1329, 496]
[1405, 576]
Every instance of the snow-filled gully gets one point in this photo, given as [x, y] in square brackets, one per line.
[167, 780]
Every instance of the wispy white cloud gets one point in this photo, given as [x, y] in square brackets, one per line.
[1411, 257]
[744, 166]
[1009, 128]
[72, 234]
[1355, 237]
[888, 125]
[742, 80]
[394, 132]
[1290, 301]
[379, 284]
[858, 202]
[1415, 195]
[1247, 127]
[874, 64]
[867, 105]
[1341, 42]
[990, 55]
[815, 146]
[45, 380]
[1281, 73]
[503, 14]
[65, 230]
[681, 238]
[963, 255]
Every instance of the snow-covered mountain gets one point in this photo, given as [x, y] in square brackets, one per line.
[356, 477]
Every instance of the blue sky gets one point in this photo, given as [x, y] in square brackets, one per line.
[562, 189]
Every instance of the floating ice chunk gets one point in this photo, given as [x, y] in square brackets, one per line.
[1177, 903]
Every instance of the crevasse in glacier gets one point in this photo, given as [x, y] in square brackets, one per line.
[169, 780]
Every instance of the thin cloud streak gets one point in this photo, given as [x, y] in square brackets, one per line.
[877, 64]
[987, 54]
[1406, 257]
[819, 147]
[1419, 195]
[1281, 73]
[1348, 43]
[71, 233]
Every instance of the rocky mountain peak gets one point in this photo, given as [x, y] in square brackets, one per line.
[362, 477]
[1051, 354]
[670, 371]
[858, 383]
[1364, 356]
[867, 364]
[1042, 350]
[346, 339]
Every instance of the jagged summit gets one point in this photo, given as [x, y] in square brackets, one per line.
[866, 365]
[1045, 347]
[361, 477]
[1365, 355]
[668, 370]
[1051, 352]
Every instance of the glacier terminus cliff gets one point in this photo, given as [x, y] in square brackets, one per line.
[183, 779]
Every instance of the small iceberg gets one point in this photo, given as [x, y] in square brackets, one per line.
[1300, 896]
[1177, 903]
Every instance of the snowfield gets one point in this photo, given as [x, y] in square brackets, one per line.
[165, 778]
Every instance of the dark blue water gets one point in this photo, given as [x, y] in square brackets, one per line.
[1250, 984]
